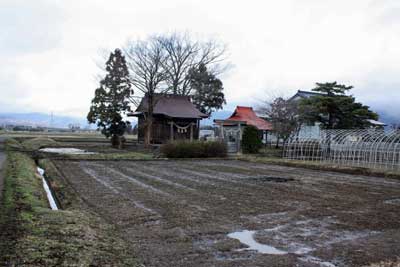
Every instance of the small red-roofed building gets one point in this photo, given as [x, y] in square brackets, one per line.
[231, 129]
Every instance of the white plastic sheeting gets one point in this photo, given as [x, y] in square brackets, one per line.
[52, 202]
[65, 150]
[371, 148]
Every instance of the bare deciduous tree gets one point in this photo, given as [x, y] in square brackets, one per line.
[161, 64]
[185, 54]
[145, 62]
[283, 114]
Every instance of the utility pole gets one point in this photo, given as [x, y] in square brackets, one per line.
[51, 119]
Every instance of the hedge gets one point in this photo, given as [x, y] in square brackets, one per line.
[194, 149]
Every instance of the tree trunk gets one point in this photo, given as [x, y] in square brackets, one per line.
[115, 141]
[149, 121]
[277, 142]
[149, 128]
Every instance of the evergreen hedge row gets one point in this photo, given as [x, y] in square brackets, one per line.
[194, 149]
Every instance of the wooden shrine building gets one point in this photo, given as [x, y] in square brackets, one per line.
[175, 117]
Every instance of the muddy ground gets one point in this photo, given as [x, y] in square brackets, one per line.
[179, 213]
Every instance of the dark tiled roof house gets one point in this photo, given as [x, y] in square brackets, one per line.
[175, 118]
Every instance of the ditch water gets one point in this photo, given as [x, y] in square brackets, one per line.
[272, 179]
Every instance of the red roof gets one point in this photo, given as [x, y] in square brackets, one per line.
[248, 115]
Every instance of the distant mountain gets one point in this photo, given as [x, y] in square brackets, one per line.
[60, 121]
[388, 119]
[40, 119]
[36, 119]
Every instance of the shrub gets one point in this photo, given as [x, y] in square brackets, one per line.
[251, 142]
[215, 149]
[194, 149]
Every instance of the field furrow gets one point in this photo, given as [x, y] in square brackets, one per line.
[179, 213]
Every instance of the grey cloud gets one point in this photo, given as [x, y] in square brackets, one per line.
[390, 16]
[29, 26]
[287, 45]
[12, 91]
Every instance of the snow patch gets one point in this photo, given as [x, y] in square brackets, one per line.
[66, 150]
[93, 174]
[318, 261]
[143, 207]
[146, 175]
[208, 176]
[131, 179]
[137, 182]
[52, 202]
[247, 237]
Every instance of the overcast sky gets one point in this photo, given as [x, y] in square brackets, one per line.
[48, 48]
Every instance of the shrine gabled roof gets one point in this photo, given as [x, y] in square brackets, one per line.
[174, 106]
[247, 114]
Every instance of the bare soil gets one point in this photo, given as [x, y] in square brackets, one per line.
[178, 213]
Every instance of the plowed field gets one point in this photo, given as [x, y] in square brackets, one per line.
[179, 213]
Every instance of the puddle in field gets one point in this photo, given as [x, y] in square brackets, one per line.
[299, 237]
[271, 179]
[66, 150]
[247, 237]
[393, 201]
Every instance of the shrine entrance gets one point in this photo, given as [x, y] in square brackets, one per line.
[231, 129]
[230, 132]
[181, 131]
[232, 139]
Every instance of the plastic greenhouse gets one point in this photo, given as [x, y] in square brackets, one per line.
[371, 148]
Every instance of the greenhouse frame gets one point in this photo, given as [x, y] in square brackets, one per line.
[369, 148]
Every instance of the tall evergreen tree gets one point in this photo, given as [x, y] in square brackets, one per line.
[334, 109]
[208, 96]
[110, 102]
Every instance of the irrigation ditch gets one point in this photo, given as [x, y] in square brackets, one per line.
[49, 191]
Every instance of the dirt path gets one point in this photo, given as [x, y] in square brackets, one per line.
[179, 213]
[2, 159]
